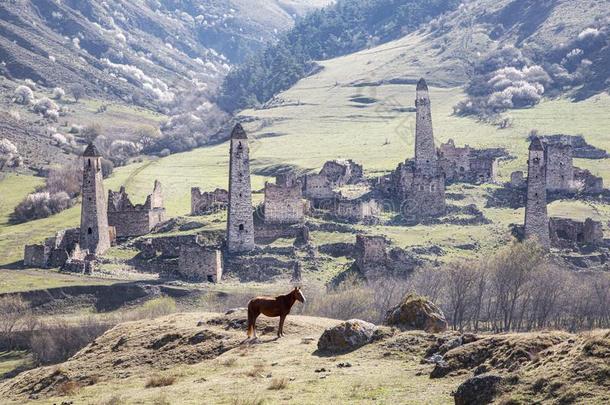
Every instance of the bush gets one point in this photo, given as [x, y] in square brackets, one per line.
[66, 179]
[15, 314]
[41, 205]
[58, 93]
[107, 168]
[45, 106]
[160, 381]
[24, 95]
[9, 155]
[56, 342]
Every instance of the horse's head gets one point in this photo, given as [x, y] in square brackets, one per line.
[298, 294]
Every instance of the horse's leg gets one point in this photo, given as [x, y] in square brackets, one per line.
[254, 324]
[280, 331]
[250, 322]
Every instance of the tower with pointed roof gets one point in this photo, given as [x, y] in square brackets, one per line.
[94, 235]
[421, 179]
[426, 159]
[240, 218]
[536, 216]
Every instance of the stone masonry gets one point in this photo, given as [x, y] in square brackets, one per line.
[204, 203]
[240, 219]
[284, 201]
[135, 220]
[559, 167]
[536, 217]
[565, 233]
[320, 188]
[426, 159]
[94, 232]
[199, 263]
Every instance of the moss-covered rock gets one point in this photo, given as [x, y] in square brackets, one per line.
[417, 312]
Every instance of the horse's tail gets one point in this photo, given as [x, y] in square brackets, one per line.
[250, 319]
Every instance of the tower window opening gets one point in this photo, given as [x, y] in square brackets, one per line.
[241, 227]
[89, 162]
[89, 231]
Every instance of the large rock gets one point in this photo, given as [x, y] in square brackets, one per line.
[417, 313]
[347, 336]
[477, 390]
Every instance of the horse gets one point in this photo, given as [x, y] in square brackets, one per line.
[272, 307]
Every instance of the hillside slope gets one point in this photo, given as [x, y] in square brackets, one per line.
[202, 357]
[143, 52]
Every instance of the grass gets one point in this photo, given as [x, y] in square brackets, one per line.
[11, 360]
[157, 381]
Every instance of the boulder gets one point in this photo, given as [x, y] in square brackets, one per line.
[347, 336]
[477, 390]
[417, 312]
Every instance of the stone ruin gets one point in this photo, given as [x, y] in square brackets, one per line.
[135, 220]
[190, 257]
[565, 233]
[62, 250]
[469, 165]
[357, 210]
[200, 263]
[561, 174]
[374, 258]
[204, 203]
[321, 188]
[284, 201]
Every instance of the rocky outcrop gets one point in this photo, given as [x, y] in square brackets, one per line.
[477, 390]
[347, 336]
[417, 313]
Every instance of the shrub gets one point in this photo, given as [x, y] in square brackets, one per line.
[58, 93]
[160, 381]
[41, 205]
[66, 179]
[24, 95]
[68, 388]
[45, 106]
[78, 91]
[278, 384]
[91, 132]
[107, 168]
[58, 341]
[15, 314]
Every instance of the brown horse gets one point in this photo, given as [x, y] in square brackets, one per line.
[272, 307]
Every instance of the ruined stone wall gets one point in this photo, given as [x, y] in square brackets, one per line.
[94, 234]
[36, 256]
[559, 167]
[587, 182]
[283, 203]
[483, 169]
[454, 161]
[536, 217]
[565, 232]
[517, 180]
[356, 210]
[319, 187]
[135, 220]
[197, 263]
[240, 219]
[426, 198]
[203, 203]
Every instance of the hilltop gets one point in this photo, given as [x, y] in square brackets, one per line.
[194, 357]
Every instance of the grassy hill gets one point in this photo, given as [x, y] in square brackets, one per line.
[191, 358]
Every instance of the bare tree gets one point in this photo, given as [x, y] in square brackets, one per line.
[78, 91]
[14, 313]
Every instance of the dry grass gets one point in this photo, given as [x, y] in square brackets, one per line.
[160, 381]
[256, 371]
[68, 388]
[229, 362]
[248, 401]
[278, 384]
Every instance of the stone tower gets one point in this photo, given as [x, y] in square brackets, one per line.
[240, 220]
[426, 159]
[536, 217]
[94, 235]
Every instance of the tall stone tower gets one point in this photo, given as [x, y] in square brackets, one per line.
[536, 216]
[240, 220]
[426, 159]
[94, 234]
